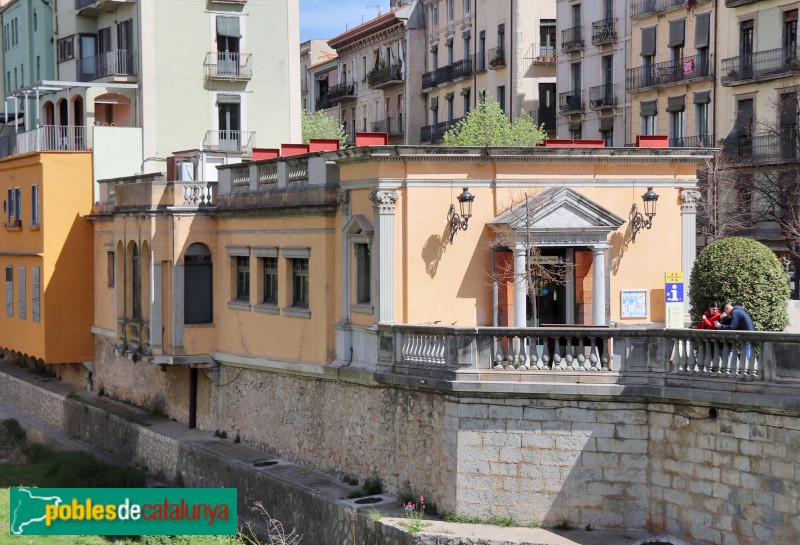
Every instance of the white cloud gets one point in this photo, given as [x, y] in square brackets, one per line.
[328, 18]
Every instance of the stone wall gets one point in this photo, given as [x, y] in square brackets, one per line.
[601, 455]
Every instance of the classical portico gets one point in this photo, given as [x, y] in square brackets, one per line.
[554, 218]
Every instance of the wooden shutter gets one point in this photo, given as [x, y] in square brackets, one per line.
[35, 294]
[228, 26]
[648, 42]
[23, 311]
[702, 30]
[702, 97]
[9, 290]
[648, 108]
[677, 33]
[676, 104]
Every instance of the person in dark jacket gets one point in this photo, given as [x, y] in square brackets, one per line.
[739, 319]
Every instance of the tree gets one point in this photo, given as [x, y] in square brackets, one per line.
[321, 125]
[487, 125]
[744, 272]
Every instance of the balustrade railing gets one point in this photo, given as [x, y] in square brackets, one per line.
[198, 193]
[666, 73]
[240, 178]
[133, 336]
[643, 8]
[47, 138]
[267, 175]
[343, 91]
[117, 62]
[603, 96]
[571, 101]
[604, 31]
[761, 65]
[485, 351]
[297, 171]
[227, 65]
[571, 38]
[229, 140]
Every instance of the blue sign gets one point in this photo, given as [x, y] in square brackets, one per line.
[674, 292]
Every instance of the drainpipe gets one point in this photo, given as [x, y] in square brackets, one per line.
[55, 39]
[712, 61]
[512, 94]
[475, 40]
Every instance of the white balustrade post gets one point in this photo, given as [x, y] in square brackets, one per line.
[599, 284]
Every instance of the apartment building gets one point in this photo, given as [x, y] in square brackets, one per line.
[503, 50]
[591, 70]
[757, 114]
[378, 74]
[123, 64]
[318, 72]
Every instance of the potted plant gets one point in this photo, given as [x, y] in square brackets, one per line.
[732, 73]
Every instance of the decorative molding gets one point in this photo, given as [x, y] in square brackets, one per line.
[383, 201]
[690, 198]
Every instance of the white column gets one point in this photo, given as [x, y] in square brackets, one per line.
[156, 339]
[177, 305]
[520, 285]
[383, 204]
[688, 240]
[569, 296]
[344, 208]
[599, 284]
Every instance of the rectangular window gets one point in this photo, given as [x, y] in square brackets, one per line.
[17, 205]
[467, 6]
[9, 291]
[35, 205]
[110, 268]
[242, 278]
[363, 274]
[38, 68]
[300, 283]
[36, 294]
[66, 49]
[501, 97]
[703, 126]
[450, 10]
[10, 202]
[21, 294]
[271, 280]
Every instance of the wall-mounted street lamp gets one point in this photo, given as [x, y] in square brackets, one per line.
[458, 222]
[639, 221]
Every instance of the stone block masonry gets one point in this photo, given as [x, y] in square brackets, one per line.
[609, 460]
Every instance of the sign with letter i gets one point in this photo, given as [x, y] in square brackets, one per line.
[673, 308]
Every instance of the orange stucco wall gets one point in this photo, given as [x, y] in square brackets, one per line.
[61, 245]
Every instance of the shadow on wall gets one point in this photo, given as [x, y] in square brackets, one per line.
[434, 249]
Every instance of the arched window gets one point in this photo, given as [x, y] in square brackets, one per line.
[198, 285]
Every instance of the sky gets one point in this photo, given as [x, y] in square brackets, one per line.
[327, 18]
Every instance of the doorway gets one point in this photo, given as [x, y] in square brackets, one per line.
[547, 297]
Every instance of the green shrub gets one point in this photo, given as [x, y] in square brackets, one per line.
[14, 430]
[744, 272]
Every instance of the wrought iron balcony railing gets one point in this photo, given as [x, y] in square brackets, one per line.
[435, 133]
[497, 58]
[643, 8]
[541, 54]
[384, 75]
[571, 101]
[737, 3]
[323, 103]
[47, 138]
[228, 66]
[768, 148]
[774, 63]
[666, 73]
[603, 96]
[117, 62]
[571, 39]
[391, 125]
[604, 31]
[701, 141]
[343, 91]
[445, 74]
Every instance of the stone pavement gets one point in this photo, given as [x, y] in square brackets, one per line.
[324, 485]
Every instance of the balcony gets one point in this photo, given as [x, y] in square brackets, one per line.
[570, 102]
[768, 148]
[702, 141]
[393, 126]
[233, 141]
[643, 8]
[117, 62]
[133, 338]
[385, 75]
[541, 54]
[98, 7]
[602, 97]
[446, 74]
[571, 39]
[497, 58]
[737, 3]
[666, 73]
[323, 103]
[47, 138]
[435, 133]
[228, 66]
[604, 31]
[343, 91]
[761, 66]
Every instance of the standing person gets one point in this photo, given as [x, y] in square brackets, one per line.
[739, 319]
[710, 317]
[736, 318]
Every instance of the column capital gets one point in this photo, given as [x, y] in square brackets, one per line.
[383, 201]
[689, 198]
[597, 248]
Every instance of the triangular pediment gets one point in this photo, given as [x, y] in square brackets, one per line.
[557, 210]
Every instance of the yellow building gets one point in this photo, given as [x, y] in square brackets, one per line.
[46, 253]
[291, 263]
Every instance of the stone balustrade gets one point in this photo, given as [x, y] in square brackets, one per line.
[273, 175]
[499, 353]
